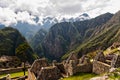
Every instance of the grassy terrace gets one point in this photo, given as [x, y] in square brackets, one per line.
[13, 75]
[81, 76]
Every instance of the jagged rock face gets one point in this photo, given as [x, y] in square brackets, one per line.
[66, 36]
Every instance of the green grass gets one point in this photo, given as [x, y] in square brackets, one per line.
[110, 51]
[81, 76]
[13, 75]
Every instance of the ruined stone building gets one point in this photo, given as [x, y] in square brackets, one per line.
[74, 65]
[101, 64]
[9, 61]
[42, 70]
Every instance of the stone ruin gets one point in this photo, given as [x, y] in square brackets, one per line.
[49, 73]
[74, 65]
[37, 65]
[9, 61]
[42, 70]
[101, 64]
[115, 61]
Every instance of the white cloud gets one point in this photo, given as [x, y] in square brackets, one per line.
[25, 17]
[7, 16]
[12, 11]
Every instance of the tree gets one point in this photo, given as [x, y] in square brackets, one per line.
[21, 52]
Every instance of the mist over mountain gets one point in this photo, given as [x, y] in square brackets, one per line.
[53, 38]
[29, 30]
[59, 39]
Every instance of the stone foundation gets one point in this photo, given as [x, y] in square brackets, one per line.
[11, 70]
[37, 65]
[49, 73]
[86, 68]
[40, 69]
[100, 67]
[116, 61]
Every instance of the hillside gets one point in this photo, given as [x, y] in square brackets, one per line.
[66, 36]
[109, 34]
[12, 44]
[37, 40]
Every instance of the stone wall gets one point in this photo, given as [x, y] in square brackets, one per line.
[41, 70]
[81, 65]
[116, 61]
[11, 70]
[9, 62]
[70, 68]
[100, 57]
[19, 78]
[49, 73]
[100, 67]
[60, 66]
[84, 68]
[31, 75]
[37, 65]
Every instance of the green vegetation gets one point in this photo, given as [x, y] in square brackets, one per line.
[110, 51]
[115, 74]
[13, 75]
[81, 76]
[12, 43]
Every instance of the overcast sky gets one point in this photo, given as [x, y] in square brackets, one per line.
[12, 11]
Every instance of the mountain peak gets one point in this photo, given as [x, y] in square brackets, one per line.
[82, 17]
[85, 14]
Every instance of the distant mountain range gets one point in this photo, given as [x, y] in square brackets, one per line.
[82, 17]
[55, 39]
[29, 30]
[66, 36]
